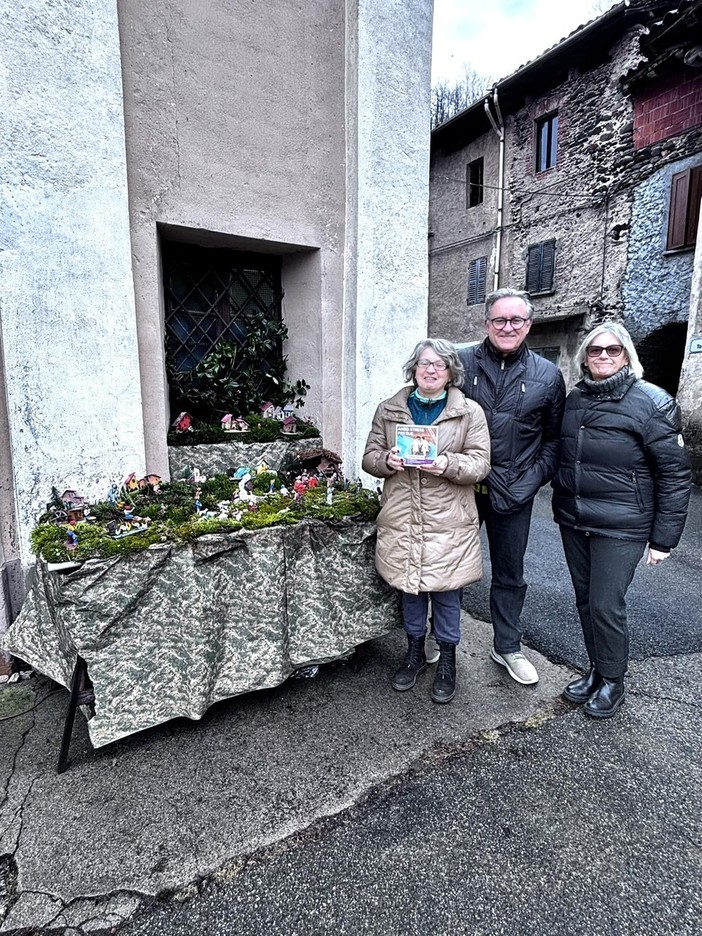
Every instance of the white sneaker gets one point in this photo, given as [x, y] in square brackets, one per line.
[431, 649]
[518, 667]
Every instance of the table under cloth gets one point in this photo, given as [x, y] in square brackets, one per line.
[169, 631]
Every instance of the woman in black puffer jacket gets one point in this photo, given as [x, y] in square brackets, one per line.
[623, 482]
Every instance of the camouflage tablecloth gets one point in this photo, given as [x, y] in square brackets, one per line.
[171, 630]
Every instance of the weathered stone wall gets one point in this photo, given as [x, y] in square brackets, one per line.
[458, 235]
[605, 202]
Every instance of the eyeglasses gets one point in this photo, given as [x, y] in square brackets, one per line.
[499, 323]
[438, 366]
[612, 350]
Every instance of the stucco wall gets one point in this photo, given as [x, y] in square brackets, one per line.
[67, 308]
[298, 129]
[235, 125]
[657, 286]
[386, 312]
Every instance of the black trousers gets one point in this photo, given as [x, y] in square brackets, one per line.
[602, 568]
[508, 535]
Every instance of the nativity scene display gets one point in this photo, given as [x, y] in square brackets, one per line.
[138, 512]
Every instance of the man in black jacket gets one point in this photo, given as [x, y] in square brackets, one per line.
[522, 395]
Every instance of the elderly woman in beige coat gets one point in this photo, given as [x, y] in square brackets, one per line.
[428, 541]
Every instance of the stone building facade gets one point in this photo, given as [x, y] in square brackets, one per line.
[592, 137]
[136, 132]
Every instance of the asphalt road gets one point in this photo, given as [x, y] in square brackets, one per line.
[665, 616]
[576, 827]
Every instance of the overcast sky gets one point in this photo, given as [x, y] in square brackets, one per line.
[495, 37]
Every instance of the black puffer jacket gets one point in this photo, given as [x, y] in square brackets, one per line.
[522, 396]
[623, 469]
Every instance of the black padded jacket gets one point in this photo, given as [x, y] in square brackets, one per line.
[623, 469]
[522, 396]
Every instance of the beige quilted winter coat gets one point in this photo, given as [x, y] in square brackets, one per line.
[428, 524]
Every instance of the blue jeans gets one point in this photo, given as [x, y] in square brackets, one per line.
[446, 614]
[602, 568]
[508, 535]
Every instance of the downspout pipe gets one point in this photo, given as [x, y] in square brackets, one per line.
[494, 115]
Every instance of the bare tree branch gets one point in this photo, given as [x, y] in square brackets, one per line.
[447, 99]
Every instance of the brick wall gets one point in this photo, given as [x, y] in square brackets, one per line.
[666, 111]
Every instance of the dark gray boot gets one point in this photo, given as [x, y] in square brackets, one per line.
[415, 663]
[444, 688]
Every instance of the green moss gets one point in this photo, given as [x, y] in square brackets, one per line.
[173, 517]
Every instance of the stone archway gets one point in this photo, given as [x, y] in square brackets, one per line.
[662, 353]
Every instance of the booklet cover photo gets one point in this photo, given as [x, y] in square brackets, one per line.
[418, 445]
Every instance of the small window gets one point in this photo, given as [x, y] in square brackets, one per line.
[474, 183]
[477, 277]
[684, 210]
[541, 263]
[551, 354]
[546, 142]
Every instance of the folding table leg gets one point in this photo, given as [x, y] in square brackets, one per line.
[77, 697]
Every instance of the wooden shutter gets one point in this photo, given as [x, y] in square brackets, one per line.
[477, 277]
[677, 218]
[541, 265]
[533, 271]
[548, 265]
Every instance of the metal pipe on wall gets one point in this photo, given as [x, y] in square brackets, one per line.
[498, 126]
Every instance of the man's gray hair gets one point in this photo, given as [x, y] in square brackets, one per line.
[446, 351]
[625, 340]
[507, 293]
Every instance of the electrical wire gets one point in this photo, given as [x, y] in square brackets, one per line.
[549, 192]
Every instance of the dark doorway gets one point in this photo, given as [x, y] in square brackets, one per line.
[662, 354]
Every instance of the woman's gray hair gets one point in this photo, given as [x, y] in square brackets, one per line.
[446, 351]
[625, 340]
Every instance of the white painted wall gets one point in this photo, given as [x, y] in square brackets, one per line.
[74, 415]
[387, 207]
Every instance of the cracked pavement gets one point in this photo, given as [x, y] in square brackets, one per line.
[336, 805]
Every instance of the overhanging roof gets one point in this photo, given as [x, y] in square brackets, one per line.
[586, 47]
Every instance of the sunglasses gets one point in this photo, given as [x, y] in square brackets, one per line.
[612, 350]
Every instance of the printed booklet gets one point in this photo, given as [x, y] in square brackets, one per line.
[418, 445]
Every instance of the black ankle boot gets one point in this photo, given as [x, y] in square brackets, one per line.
[415, 663]
[607, 699]
[444, 688]
[580, 690]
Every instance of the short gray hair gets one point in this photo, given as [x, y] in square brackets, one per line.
[625, 339]
[446, 351]
[507, 293]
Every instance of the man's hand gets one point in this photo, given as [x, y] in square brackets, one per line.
[655, 556]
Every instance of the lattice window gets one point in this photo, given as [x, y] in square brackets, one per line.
[213, 295]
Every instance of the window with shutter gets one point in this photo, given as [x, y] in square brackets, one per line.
[540, 268]
[684, 210]
[477, 278]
